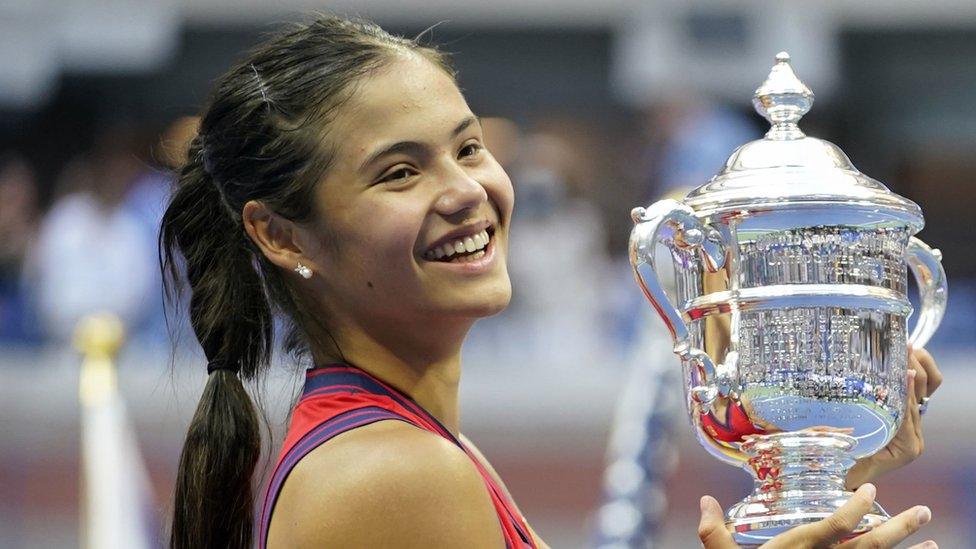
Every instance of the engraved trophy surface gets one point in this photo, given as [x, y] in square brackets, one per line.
[790, 311]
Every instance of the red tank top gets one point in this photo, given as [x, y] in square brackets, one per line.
[339, 397]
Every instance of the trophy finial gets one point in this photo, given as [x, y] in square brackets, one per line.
[783, 100]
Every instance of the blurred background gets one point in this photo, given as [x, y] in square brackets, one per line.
[593, 107]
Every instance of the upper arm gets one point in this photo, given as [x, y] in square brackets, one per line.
[386, 484]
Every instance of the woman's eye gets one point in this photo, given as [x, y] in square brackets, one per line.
[398, 175]
[469, 150]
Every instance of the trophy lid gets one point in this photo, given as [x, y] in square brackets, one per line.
[787, 168]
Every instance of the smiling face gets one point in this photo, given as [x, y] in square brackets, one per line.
[411, 181]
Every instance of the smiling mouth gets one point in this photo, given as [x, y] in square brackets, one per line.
[463, 250]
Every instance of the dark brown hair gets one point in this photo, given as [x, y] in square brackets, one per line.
[263, 136]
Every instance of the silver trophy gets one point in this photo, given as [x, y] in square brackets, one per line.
[790, 312]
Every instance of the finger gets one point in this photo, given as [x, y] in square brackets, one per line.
[711, 528]
[931, 369]
[893, 530]
[914, 416]
[833, 528]
[921, 377]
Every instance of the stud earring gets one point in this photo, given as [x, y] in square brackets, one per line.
[304, 271]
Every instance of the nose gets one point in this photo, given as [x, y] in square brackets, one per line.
[461, 193]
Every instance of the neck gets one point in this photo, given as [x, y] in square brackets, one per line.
[428, 371]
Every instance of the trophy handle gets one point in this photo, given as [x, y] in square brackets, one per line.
[926, 264]
[674, 224]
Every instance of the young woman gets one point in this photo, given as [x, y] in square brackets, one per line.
[340, 179]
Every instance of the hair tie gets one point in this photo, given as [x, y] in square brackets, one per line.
[220, 364]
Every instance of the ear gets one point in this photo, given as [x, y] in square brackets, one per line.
[280, 240]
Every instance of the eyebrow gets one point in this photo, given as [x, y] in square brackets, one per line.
[413, 146]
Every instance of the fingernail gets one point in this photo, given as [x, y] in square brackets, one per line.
[911, 374]
[702, 503]
[870, 489]
[923, 514]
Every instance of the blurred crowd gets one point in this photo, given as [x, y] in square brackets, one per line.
[91, 245]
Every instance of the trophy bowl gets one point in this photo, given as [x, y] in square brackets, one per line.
[789, 312]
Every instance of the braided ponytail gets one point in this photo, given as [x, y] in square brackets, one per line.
[260, 138]
[230, 315]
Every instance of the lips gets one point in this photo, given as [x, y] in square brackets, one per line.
[465, 241]
[468, 246]
[468, 264]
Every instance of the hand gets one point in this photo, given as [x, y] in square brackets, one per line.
[924, 378]
[827, 532]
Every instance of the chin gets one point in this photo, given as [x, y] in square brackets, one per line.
[494, 308]
[497, 299]
[484, 303]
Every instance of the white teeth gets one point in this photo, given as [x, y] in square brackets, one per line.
[468, 244]
[480, 240]
[469, 258]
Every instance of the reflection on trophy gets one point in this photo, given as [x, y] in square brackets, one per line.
[790, 312]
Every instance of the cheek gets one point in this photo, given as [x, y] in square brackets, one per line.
[377, 246]
[500, 190]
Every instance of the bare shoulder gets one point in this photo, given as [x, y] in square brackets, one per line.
[382, 485]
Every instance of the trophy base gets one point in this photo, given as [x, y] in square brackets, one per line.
[799, 479]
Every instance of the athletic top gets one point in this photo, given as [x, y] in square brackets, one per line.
[340, 397]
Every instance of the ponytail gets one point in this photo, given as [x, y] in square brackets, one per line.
[231, 318]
